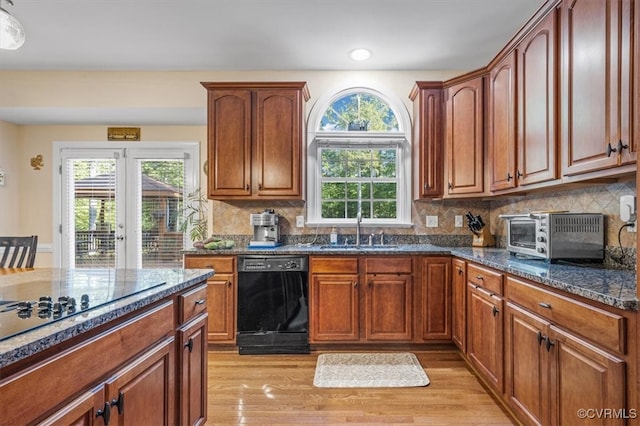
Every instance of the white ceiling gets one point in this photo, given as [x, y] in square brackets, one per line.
[248, 35]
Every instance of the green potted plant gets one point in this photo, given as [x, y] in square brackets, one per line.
[194, 216]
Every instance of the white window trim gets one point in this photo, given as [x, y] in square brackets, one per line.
[402, 139]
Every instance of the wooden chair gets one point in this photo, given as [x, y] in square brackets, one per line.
[18, 252]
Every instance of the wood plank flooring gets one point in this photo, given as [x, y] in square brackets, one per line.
[278, 390]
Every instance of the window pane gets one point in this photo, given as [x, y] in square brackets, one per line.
[384, 190]
[333, 162]
[333, 190]
[333, 209]
[359, 111]
[384, 209]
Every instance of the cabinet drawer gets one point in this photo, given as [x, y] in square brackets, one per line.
[389, 265]
[333, 265]
[597, 325]
[223, 265]
[485, 278]
[192, 303]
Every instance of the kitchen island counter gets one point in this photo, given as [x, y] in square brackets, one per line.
[612, 287]
[113, 293]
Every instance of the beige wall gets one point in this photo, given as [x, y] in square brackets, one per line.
[10, 192]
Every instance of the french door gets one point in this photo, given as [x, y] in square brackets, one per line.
[120, 207]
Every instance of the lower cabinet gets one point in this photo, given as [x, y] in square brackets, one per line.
[435, 299]
[221, 295]
[459, 304]
[192, 380]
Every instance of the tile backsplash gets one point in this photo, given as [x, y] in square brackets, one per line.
[232, 218]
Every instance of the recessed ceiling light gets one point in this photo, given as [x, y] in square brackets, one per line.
[360, 54]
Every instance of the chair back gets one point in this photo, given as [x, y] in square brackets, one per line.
[18, 252]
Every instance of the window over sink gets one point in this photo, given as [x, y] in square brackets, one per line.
[359, 159]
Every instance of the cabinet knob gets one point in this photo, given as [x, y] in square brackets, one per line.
[550, 343]
[119, 402]
[610, 149]
[518, 174]
[459, 271]
[544, 305]
[260, 187]
[541, 337]
[189, 344]
[355, 284]
[495, 311]
[621, 146]
[479, 277]
[509, 177]
[450, 185]
[105, 413]
[248, 187]
[200, 302]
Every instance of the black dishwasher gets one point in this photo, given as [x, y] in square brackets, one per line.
[273, 300]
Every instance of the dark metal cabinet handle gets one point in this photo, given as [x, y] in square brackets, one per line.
[495, 311]
[450, 185]
[550, 343]
[105, 413]
[479, 277]
[518, 174]
[621, 146]
[509, 177]
[200, 302]
[119, 402]
[248, 187]
[610, 149]
[541, 337]
[189, 344]
[260, 186]
[459, 271]
[229, 283]
[355, 284]
[544, 305]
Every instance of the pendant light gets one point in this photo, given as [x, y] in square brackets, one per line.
[11, 31]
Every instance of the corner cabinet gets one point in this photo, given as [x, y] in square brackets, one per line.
[597, 94]
[465, 137]
[255, 135]
[428, 139]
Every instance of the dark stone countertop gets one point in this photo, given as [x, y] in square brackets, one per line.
[613, 287]
[150, 285]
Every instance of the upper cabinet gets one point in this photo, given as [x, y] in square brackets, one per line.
[501, 131]
[256, 140]
[428, 139]
[596, 85]
[465, 137]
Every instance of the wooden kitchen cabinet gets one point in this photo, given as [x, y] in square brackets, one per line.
[502, 124]
[537, 76]
[388, 298]
[222, 292]
[256, 140]
[360, 299]
[465, 137]
[192, 381]
[596, 89]
[435, 299]
[550, 371]
[334, 305]
[485, 327]
[428, 139]
[459, 304]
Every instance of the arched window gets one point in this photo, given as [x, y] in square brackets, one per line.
[359, 160]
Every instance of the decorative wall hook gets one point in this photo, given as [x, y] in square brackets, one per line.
[36, 162]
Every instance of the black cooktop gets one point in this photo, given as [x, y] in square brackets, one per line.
[33, 304]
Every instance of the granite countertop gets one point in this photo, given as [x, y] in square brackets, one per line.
[147, 285]
[613, 287]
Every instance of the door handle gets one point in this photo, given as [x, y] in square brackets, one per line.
[120, 237]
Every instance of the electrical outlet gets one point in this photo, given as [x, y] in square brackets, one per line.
[628, 208]
[432, 221]
[633, 228]
[300, 221]
[458, 221]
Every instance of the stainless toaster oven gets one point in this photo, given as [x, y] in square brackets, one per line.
[554, 236]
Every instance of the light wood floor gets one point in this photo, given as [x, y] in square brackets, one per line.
[278, 390]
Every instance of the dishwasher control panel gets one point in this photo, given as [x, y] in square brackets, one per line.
[272, 263]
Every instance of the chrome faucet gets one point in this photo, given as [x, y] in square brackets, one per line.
[358, 221]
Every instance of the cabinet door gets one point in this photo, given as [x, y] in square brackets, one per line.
[485, 334]
[142, 393]
[502, 123]
[192, 377]
[388, 313]
[465, 138]
[584, 377]
[435, 298]
[527, 366]
[81, 411]
[459, 304]
[334, 313]
[537, 70]
[221, 306]
[278, 143]
[595, 83]
[428, 139]
[229, 143]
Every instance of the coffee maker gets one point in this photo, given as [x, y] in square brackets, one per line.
[266, 231]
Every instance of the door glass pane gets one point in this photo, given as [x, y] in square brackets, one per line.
[91, 212]
[159, 197]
